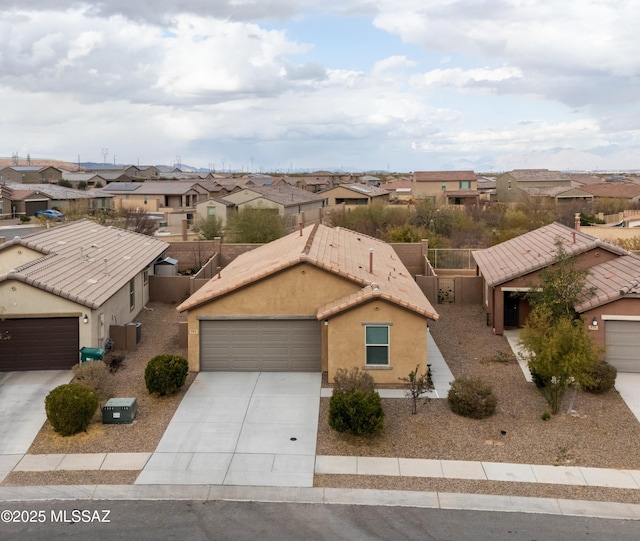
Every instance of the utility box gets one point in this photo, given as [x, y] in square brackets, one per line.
[119, 411]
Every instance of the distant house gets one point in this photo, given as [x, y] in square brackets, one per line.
[446, 187]
[560, 194]
[5, 202]
[30, 174]
[27, 199]
[400, 189]
[62, 288]
[287, 200]
[352, 195]
[157, 195]
[310, 183]
[513, 186]
[629, 191]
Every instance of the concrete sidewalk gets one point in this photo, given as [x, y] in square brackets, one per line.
[326, 496]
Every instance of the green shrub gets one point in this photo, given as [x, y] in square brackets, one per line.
[471, 398]
[24, 218]
[356, 412]
[350, 381]
[165, 374]
[70, 408]
[602, 376]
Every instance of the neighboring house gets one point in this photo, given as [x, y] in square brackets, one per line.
[615, 190]
[370, 180]
[510, 269]
[5, 202]
[310, 183]
[155, 195]
[511, 187]
[287, 200]
[352, 195]
[26, 200]
[316, 300]
[30, 174]
[446, 187]
[400, 189]
[62, 288]
[560, 194]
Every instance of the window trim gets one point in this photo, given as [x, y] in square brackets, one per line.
[367, 346]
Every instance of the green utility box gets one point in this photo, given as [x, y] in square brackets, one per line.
[119, 411]
[91, 354]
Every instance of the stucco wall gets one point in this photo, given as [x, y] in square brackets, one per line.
[298, 291]
[14, 256]
[407, 341]
[621, 307]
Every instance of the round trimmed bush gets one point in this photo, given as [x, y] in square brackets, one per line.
[356, 412]
[70, 408]
[602, 376]
[166, 374]
[471, 398]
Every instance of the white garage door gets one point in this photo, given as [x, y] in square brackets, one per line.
[264, 345]
[623, 345]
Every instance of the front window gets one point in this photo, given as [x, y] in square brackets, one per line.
[377, 344]
[464, 184]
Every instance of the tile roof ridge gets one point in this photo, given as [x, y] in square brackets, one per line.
[309, 243]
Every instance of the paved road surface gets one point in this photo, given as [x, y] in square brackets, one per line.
[196, 521]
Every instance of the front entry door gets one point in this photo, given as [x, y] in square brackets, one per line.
[511, 309]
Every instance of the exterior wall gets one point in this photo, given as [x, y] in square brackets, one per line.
[221, 210]
[15, 256]
[412, 255]
[407, 341]
[192, 254]
[344, 193]
[169, 289]
[297, 291]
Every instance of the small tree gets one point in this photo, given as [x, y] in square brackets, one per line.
[136, 219]
[257, 224]
[560, 353]
[210, 227]
[417, 385]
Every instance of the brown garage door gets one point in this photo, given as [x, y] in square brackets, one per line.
[262, 345]
[622, 342]
[32, 206]
[38, 343]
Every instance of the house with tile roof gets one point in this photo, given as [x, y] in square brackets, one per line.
[511, 187]
[446, 187]
[30, 174]
[627, 190]
[351, 195]
[62, 287]
[157, 195]
[510, 269]
[26, 199]
[287, 201]
[318, 299]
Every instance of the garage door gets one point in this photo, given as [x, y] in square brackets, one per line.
[38, 344]
[265, 345]
[623, 345]
[32, 206]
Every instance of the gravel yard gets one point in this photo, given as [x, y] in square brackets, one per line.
[601, 431]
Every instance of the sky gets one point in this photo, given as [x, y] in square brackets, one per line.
[300, 85]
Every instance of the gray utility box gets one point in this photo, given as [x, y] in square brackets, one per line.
[119, 411]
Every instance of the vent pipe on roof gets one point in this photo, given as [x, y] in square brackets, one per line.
[574, 237]
[300, 227]
[370, 260]
[106, 270]
[219, 269]
[576, 221]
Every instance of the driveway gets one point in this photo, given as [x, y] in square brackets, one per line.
[628, 385]
[241, 428]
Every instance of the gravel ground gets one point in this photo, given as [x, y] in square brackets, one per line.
[601, 432]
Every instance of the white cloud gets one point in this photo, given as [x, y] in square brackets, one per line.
[460, 78]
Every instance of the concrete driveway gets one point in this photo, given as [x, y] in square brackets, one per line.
[22, 412]
[241, 428]
[628, 385]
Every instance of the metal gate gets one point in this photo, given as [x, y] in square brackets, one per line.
[446, 290]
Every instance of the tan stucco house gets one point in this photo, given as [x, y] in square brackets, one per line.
[61, 288]
[351, 195]
[513, 186]
[316, 300]
[446, 187]
[510, 269]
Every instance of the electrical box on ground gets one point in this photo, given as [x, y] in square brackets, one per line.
[119, 411]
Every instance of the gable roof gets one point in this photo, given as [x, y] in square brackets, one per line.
[533, 251]
[153, 187]
[443, 176]
[52, 191]
[626, 190]
[337, 250]
[83, 261]
[362, 189]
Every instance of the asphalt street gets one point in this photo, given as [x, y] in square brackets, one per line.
[224, 520]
